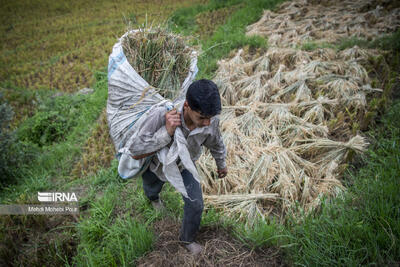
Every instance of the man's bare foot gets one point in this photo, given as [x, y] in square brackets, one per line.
[158, 205]
[194, 248]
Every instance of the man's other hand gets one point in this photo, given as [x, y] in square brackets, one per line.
[143, 156]
[172, 120]
[222, 173]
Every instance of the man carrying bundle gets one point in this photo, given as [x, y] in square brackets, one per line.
[200, 126]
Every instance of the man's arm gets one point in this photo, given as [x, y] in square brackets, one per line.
[217, 148]
[155, 133]
[152, 136]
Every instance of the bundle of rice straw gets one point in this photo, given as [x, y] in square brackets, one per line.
[288, 116]
[303, 21]
[285, 141]
[160, 57]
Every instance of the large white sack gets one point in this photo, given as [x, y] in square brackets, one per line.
[127, 109]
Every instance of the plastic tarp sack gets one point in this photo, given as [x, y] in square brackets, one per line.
[130, 99]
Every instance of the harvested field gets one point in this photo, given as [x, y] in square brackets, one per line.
[292, 119]
[327, 21]
[220, 249]
[209, 21]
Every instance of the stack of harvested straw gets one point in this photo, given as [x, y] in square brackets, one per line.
[286, 127]
[160, 57]
[299, 21]
[289, 119]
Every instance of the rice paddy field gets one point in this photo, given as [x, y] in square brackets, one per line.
[59, 46]
[310, 101]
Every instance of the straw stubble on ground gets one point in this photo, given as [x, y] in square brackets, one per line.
[220, 249]
[327, 21]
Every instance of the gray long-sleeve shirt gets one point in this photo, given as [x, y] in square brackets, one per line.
[153, 136]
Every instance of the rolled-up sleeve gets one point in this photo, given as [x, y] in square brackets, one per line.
[152, 136]
[215, 144]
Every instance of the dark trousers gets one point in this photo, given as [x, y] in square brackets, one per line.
[192, 209]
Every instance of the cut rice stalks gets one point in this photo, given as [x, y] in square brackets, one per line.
[288, 115]
[159, 57]
[302, 21]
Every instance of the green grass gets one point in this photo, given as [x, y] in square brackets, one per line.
[183, 20]
[56, 160]
[116, 228]
[48, 171]
[389, 42]
[363, 227]
[108, 236]
[229, 36]
[263, 234]
[53, 120]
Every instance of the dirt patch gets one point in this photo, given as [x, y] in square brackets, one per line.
[221, 249]
[37, 240]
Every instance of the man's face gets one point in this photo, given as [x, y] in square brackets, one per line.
[197, 119]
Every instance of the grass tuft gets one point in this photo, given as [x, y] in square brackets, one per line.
[389, 42]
